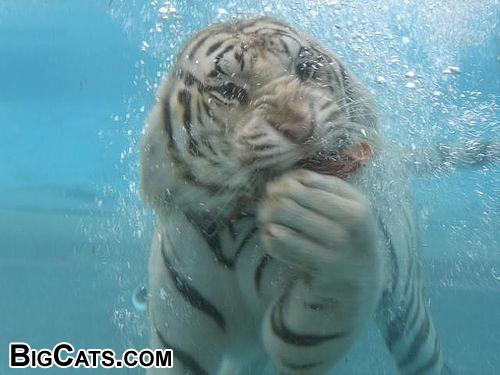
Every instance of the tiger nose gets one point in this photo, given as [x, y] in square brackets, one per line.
[295, 125]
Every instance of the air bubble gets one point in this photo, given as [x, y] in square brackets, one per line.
[167, 9]
[452, 70]
[139, 298]
[163, 294]
[495, 273]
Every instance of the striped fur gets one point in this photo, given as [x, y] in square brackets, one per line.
[255, 254]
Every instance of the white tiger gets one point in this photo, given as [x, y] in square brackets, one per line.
[281, 230]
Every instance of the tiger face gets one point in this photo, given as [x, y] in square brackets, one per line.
[250, 100]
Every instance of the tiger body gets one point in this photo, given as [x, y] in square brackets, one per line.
[260, 249]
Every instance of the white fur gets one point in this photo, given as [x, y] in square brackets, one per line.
[330, 254]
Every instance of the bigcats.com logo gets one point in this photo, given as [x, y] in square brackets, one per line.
[64, 355]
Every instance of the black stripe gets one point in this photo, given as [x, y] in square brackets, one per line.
[218, 69]
[326, 105]
[217, 59]
[288, 34]
[208, 112]
[420, 305]
[226, 50]
[208, 145]
[253, 136]
[198, 113]
[286, 335]
[263, 147]
[213, 73]
[239, 57]
[303, 366]
[184, 98]
[212, 237]
[167, 122]
[191, 295]
[392, 250]
[185, 171]
[393, 334]
[242, 63]
[232, 230]
[285, 46]
[221, 126]
[225, 89]
[410, 306]
[201, 41]
[432, 362]
[259, 270]
[190, 79]
[315, 306]
[182, 167]
[213, 47]
[188, 361]
[277, 32]
[244, 241]
[417, 343]
[412, 277]
[319, 306]
[411, 234]
[399, 326]
[275, 52]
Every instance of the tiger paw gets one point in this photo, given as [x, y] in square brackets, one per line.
[321, 225]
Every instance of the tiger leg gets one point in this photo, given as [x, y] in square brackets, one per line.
[180, 319]
[322, 227]
[409, 332]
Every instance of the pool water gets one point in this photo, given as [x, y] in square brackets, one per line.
[77, 79]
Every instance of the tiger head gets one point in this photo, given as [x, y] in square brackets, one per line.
[248, 101]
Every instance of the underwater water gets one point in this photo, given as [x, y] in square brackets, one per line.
[77, 79]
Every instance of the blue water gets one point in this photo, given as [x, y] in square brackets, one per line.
[76, 81]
